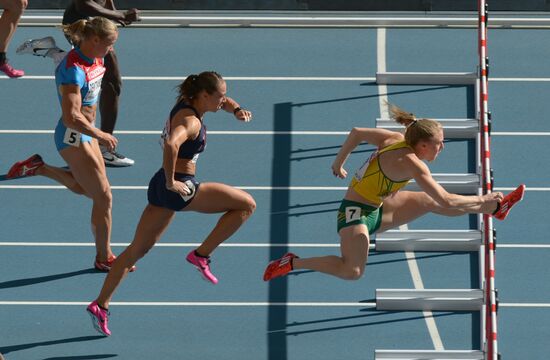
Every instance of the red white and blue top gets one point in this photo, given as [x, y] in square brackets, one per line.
[78, 69]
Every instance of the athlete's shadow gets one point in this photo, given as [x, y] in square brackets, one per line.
[330, 154]
[372, 314]
[42, 279]
[82, 357]
[8, 349]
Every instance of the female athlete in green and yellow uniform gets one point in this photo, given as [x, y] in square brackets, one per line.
[373, 202]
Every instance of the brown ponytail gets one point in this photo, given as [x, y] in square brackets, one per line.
[208, 81]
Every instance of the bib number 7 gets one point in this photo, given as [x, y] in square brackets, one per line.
[353, 213]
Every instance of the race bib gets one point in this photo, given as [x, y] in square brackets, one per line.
[94, 87]
[361, 171]
[72, 137]
[165, 133]
[353, 213]
[191, 188]
[195, 158]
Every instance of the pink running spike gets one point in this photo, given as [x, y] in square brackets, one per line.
[509, 201]
[10, 71]
[100, 318]
[202, 265]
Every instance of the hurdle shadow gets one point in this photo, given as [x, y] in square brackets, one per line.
[368, 323]
[82, 357]
[377, 95]
[13, 348]
[279, 230]
[43, 279]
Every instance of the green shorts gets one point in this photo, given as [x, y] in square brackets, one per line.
[355, 213]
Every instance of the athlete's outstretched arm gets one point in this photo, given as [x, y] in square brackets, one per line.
[231, 106]
[91, 8]
[424, 179]
[377, 137]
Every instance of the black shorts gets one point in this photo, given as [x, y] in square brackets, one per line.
[159, 195]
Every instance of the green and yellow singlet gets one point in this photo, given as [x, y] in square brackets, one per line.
[370, 181]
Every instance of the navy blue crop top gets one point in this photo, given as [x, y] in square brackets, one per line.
[191, 148]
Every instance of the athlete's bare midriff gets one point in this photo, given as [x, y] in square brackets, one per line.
[89, 112]
[185, 166]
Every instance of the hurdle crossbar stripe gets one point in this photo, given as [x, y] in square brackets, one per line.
[490, 306]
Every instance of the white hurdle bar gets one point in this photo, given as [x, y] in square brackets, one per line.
[464, 184]
[426, 78]
[428, 355]
[429, 299]
[428, 240]
[452, 128]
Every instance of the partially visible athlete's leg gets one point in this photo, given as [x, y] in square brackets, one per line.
[90, 173]
[406, 206]
[354, 247]
[13, 9]
[152, 224]
[237, 205]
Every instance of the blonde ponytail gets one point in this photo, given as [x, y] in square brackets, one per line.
[83, 29]
[416, 129]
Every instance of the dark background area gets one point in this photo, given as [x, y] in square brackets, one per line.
[334, 5]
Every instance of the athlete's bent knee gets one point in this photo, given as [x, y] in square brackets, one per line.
[249, 207]
[352, 273]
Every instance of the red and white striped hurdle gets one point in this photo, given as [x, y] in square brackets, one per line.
[489, 310]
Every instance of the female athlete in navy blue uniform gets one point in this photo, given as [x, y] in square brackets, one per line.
[174, 188]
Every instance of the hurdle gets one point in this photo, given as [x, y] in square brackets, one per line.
[482, 300]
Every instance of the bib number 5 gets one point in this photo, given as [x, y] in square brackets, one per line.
[72, 137]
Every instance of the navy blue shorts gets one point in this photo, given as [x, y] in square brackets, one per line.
[159, 195]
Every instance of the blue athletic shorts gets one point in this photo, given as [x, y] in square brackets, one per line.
[159, 195]
[65, 137]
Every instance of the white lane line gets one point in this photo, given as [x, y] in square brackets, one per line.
[142, 187]
[519, 133]
[383, 98]
[523, 246]
[419, 284]
[195, 303]
[526, 189]
[411, 260]
[213, 132]
[524, 305]
[252, 188]
[277, 78]
[233, 245]
[533, 79]
[229, 78]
